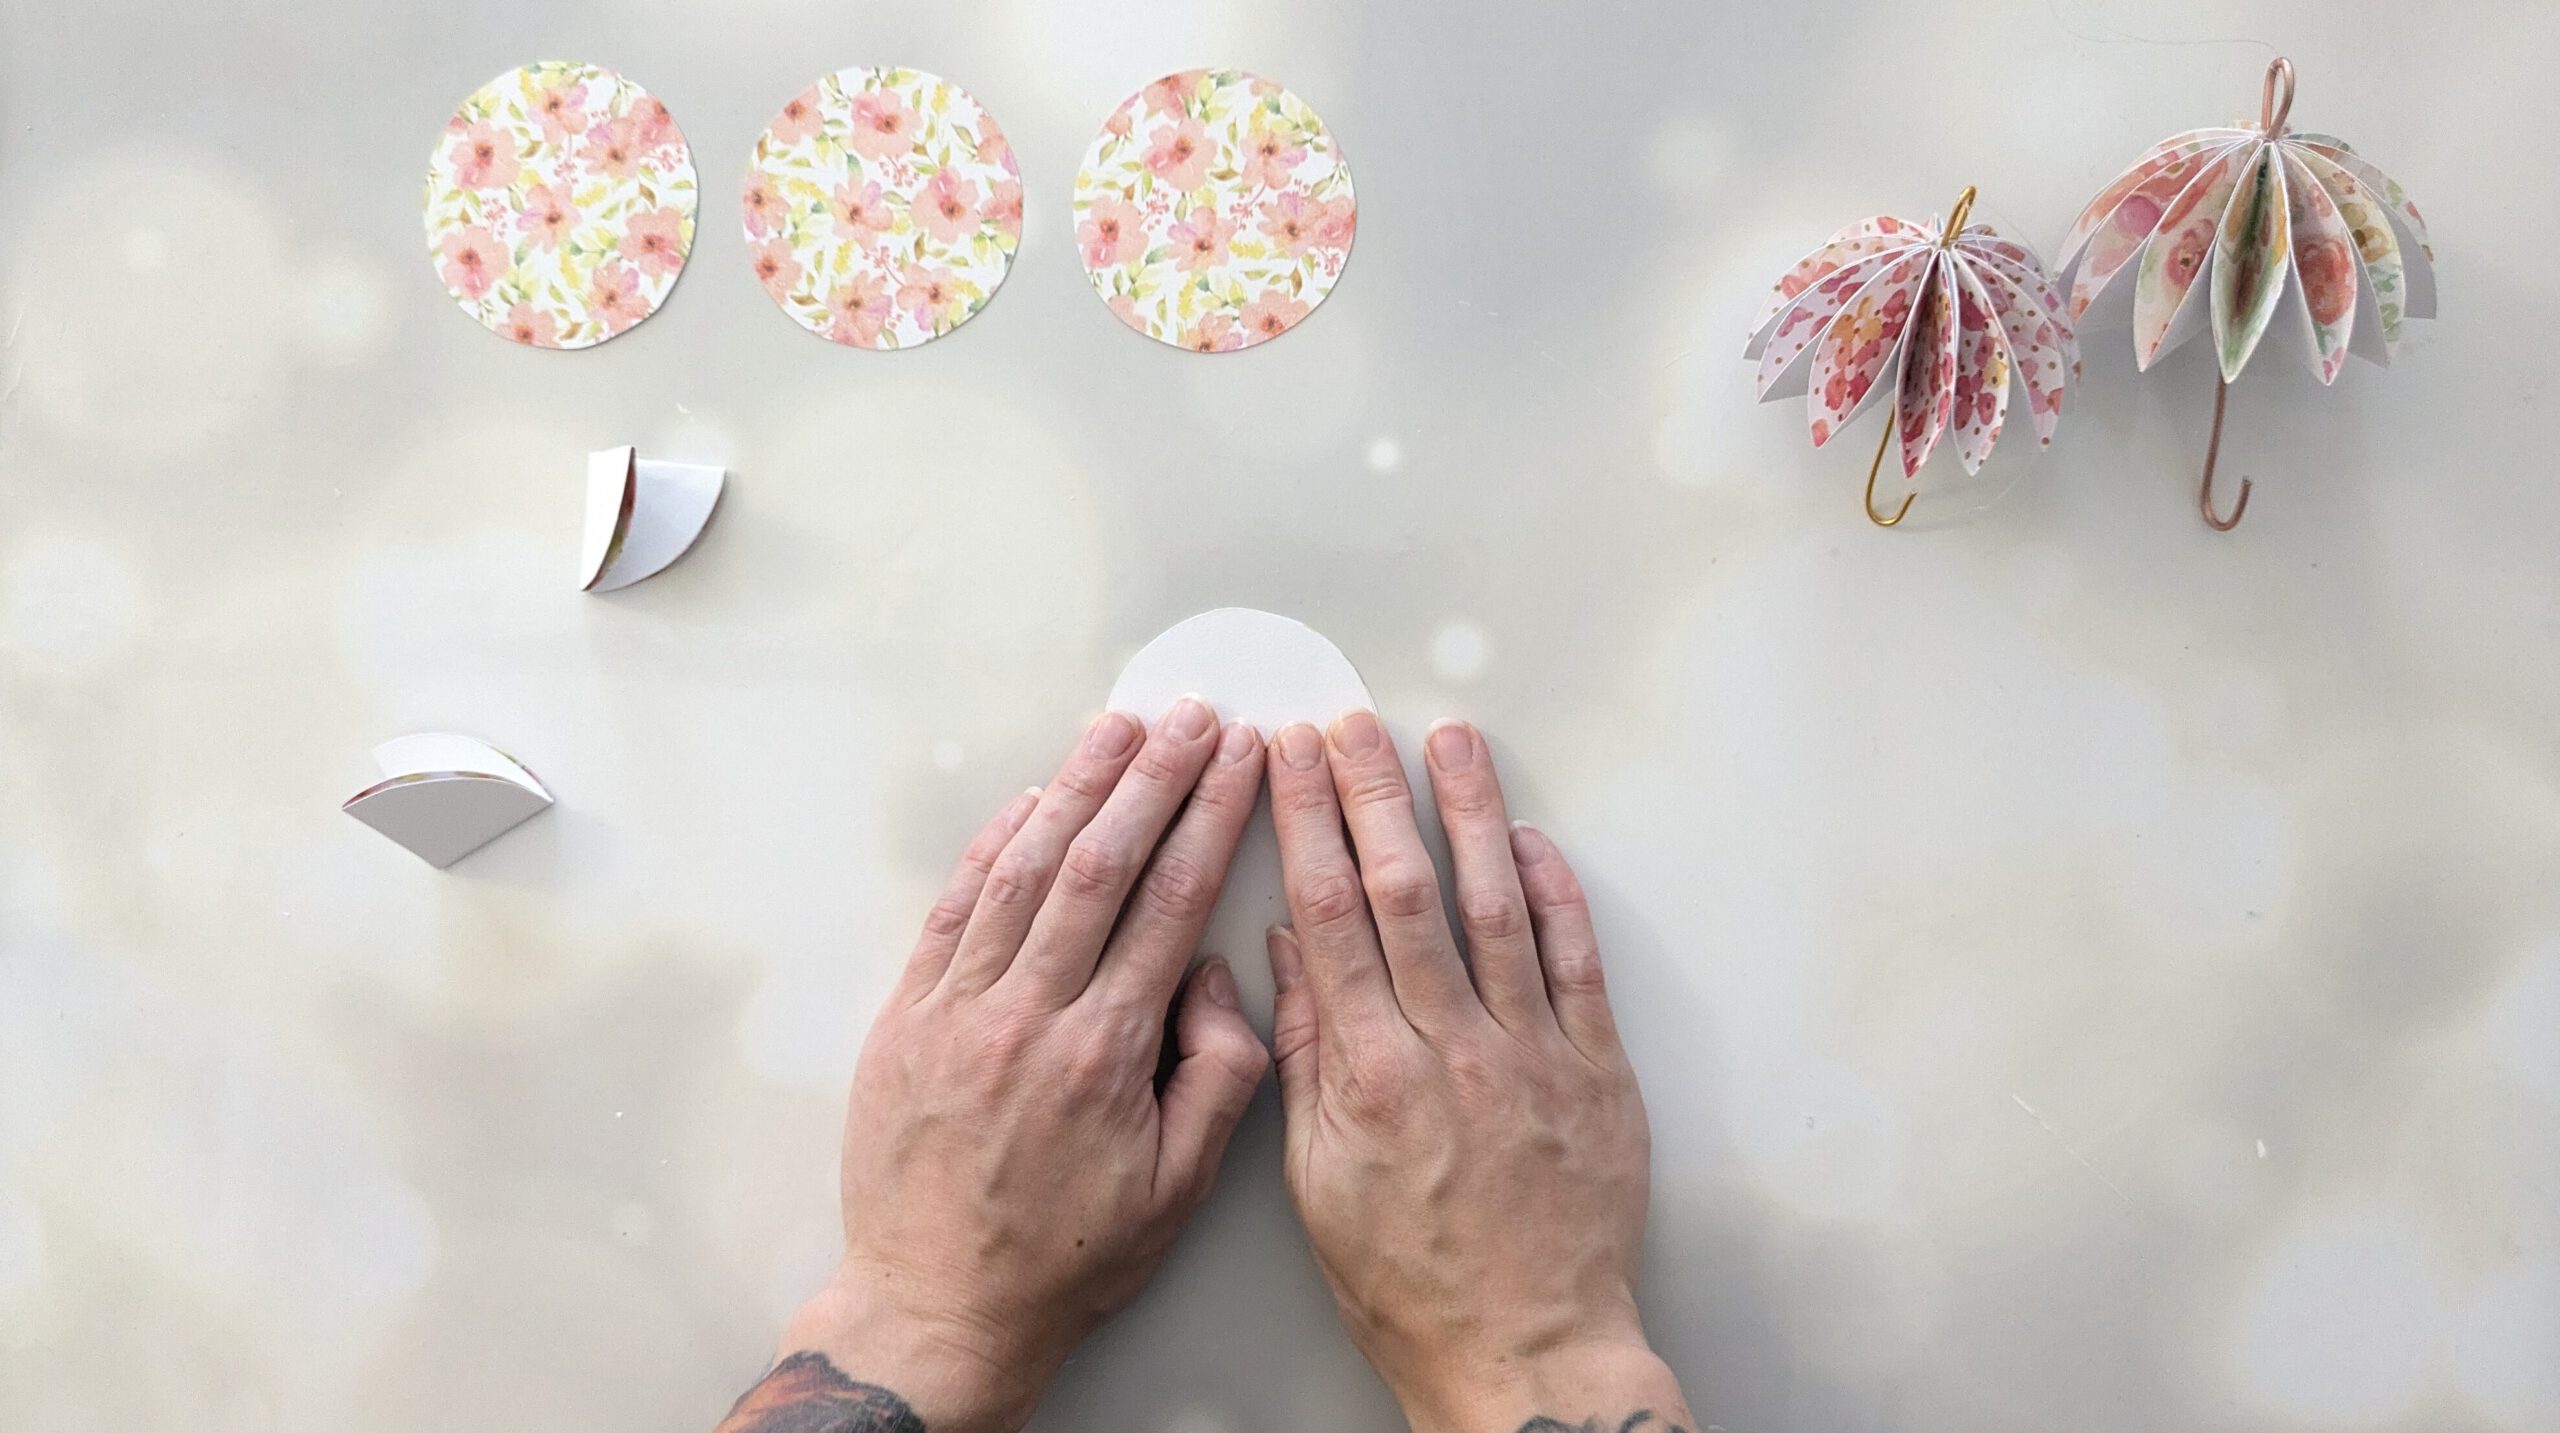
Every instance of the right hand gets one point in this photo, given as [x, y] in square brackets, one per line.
[1469, 1152]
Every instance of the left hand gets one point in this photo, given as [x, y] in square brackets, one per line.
[1013, 1174]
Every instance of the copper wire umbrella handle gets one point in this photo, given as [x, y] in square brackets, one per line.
[2212, 452]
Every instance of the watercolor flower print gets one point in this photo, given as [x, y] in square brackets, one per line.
[1214, 211]
[882, 207]
[560, 205]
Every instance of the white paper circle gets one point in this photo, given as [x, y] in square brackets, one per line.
[1251, 666]
[1268, 670]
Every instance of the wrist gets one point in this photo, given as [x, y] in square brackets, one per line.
[1603, 1381]
[957, 1379]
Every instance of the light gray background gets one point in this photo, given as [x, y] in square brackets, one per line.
[2087, 972]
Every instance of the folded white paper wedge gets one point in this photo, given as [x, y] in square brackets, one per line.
[444, 797]
[641, 515]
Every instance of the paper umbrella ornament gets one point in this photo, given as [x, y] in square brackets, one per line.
[1955, 318]
[2288, 221]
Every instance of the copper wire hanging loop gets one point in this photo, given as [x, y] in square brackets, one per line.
[2275, 100]
[1946, 240]
[2212, 451]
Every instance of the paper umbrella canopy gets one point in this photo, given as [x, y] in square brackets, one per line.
[1950, 320]
[2299, 232]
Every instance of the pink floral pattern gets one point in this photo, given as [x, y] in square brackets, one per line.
[1967, 318]
[1214, 211]
[1982, 378]
[882, 207]
[2324, 260]
[560, 205]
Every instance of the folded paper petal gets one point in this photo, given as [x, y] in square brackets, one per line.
[2035, 349]
[1926, 396]
[2027, 276]
[2250, 257]
[2378, 249]
[2336, 151]
[2138, 176]
[2138, 216]
[1864, 239]
[2324, 268]
[1982, 372]
[1792, 334]
[2176, 256]
[1855, 351]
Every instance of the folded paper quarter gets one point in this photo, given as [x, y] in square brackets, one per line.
[642, 514]
[1949, 320]
[444, 797]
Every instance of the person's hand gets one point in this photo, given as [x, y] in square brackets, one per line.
[1013, 1171]
[1469, 1152]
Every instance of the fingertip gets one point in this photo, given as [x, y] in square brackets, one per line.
[1298, 747]
[1451, 745]
[1531, 846]
[1189, 719]
[1357, 733]
[1113, 734]
[1288, 963]
[1240, 743]
[1218, 983]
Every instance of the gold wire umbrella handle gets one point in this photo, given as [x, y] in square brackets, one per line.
[1876, 467]
[2275, 100]
[1946, 240]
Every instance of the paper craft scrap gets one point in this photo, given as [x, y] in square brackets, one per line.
[560, 205]
[642, 514]
[1214, 211]
[1949, 321]
[1250, 665]
[882, 207]
[445, 797]
[2228, 228]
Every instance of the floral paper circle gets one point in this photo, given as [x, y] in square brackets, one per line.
[560, 204]
[1214, 211]
[883, 207]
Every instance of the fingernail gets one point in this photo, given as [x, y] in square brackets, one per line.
[1189, 718]
[1020, 806]
[1299, 745]
[1218, 983]
[1529, 845]
[1451, 745]
[1282, 943]
[1111, 734]
[1357, 733]
[1238, 743]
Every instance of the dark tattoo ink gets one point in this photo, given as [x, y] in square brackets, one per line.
[805, 1394]
[1635, 1420]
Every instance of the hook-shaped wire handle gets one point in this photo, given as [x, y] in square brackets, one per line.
[2213, 451]
[1876, 467]
[1946, 240]
[2276, 105]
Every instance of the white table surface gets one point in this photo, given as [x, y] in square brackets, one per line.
[2087, 972]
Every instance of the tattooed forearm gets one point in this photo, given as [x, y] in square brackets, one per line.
[805, 1394]
[1635, 1421]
